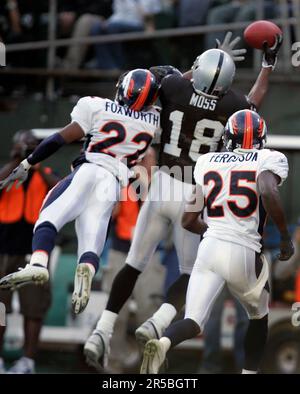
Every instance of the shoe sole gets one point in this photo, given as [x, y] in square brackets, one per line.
[13, 281]
[150, 350]
[80, 298]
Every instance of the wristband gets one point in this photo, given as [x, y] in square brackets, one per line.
[26, 164]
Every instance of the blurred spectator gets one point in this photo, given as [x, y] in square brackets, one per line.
[24, 20]
[10, 20]
[212, 354]
[19, 209]
[128, 16]
[80, 15]
[192, 12]
[235, 11]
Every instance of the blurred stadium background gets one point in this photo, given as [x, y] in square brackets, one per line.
[40, 84]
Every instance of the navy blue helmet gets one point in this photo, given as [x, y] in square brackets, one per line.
[137, 89]
[245, 129]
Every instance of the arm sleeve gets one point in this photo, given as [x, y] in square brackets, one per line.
[82, 114]
[275, 162]
[46, 148]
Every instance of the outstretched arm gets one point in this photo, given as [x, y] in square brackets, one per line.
[268, 188]
[190, 219]
[50, 145]
[46, 148]
[260, 87]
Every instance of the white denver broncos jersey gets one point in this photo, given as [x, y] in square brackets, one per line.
[116, 135]
[234, 209]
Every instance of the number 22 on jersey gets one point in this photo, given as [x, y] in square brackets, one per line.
[140, 141]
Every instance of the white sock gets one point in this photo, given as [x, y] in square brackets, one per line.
[91, 268]
[165, 341]
[247, 372]
[165, 315]
[107, 322]
[39, 257]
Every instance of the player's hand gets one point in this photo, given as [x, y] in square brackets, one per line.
[19, 174]
[270, 53]
[228, 47]
[286, 248]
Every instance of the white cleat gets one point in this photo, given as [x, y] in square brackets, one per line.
[82, 288]
[154, 357]
[23, 366]
[28, 275]
[96, 350]
[148, 330]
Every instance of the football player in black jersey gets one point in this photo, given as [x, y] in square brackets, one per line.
[195, 108]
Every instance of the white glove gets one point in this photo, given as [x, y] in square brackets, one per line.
[228, 47]
[19, 174]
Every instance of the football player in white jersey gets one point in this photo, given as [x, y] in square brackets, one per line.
[118, 135]
[239, 187]
[195, 109]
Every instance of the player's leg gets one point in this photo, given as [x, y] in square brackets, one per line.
[204, 287]
[91, 229]
[186, 244]
[34, 304]
[8, 264]
[150, 229]
[62, 205]
[248, 282]
[255, 340]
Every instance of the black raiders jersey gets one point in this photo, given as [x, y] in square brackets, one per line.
[192, 124]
